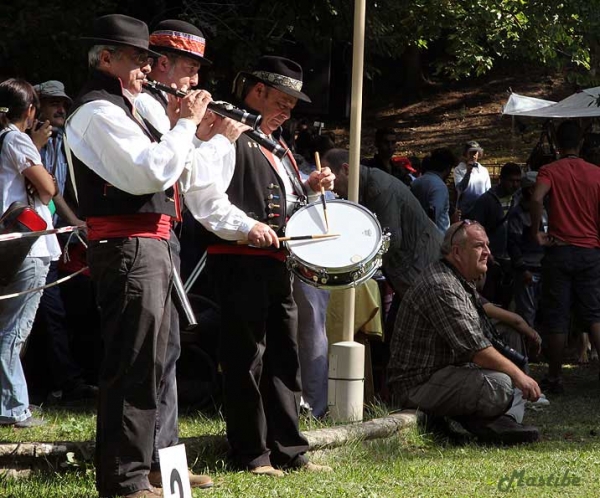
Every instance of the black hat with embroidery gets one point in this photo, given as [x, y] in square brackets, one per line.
[179, 37]
[280, 73]
[118, 29]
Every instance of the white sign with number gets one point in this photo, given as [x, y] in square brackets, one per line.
[174, 472]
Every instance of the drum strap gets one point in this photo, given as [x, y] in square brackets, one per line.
[290, 169]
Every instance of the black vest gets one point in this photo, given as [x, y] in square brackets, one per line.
[256, 188]
[95, 195]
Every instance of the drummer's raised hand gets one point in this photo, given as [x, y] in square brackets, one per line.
[323, 178]
[262, 235]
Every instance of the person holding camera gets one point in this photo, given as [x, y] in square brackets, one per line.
[442, 356]
[67, 384]
[24, 180]
[471, 178]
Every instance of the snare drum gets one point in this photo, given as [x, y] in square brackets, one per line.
[340, 262]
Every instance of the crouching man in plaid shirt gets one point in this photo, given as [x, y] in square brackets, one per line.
[441, 358]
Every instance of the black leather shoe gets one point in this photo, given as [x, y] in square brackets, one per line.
[81, 393]
[552, 386]
[503, 430]
[442, 428]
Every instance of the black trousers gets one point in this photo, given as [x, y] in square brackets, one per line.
[64, 370]
[167, 432]
[132, 280]
[259, 358]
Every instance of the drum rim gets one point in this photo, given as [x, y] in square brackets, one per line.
[346, 285]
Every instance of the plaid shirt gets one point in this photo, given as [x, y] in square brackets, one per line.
[440, 322]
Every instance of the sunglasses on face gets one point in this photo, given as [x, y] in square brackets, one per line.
[139, 57]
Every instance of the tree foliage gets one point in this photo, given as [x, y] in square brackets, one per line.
[41, 40]
[459, 37]
[456, 38]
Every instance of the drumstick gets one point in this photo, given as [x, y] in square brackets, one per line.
[298, 237]
[318, 163]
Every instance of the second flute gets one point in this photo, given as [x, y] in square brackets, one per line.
[227, 110]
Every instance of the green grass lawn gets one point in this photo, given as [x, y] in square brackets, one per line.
[410, 464]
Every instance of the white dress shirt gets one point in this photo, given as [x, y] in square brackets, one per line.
[479, 182]
[208, 158]
[113, 146]
[212, 208]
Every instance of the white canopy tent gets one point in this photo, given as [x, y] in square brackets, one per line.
[583, 104]
[517, 104]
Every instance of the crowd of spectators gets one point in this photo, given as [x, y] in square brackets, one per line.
[529, 243]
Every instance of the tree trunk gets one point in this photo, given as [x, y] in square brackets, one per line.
[411, 72]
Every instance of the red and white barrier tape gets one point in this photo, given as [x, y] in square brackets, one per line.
[51, 231]
[19, 235]
[59, 281]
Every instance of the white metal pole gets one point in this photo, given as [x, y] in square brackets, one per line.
[355, 133]
[346, 366]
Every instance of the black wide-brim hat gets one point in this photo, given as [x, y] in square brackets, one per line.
[280, 73]
[179, 37]
[118, 29]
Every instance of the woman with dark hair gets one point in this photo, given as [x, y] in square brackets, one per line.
[21, 171]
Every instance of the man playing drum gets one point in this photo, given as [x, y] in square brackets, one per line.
[259, 353]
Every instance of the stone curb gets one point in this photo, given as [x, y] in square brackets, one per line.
[19, 458]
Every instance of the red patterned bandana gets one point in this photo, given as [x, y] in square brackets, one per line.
[192, 44]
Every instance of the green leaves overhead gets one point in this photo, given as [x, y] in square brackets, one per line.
[460, 37]
[453, 39]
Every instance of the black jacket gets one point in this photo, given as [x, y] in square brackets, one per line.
[415, 240]
[488, 211]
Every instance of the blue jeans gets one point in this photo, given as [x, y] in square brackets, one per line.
[16, 319]
[312, 344]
